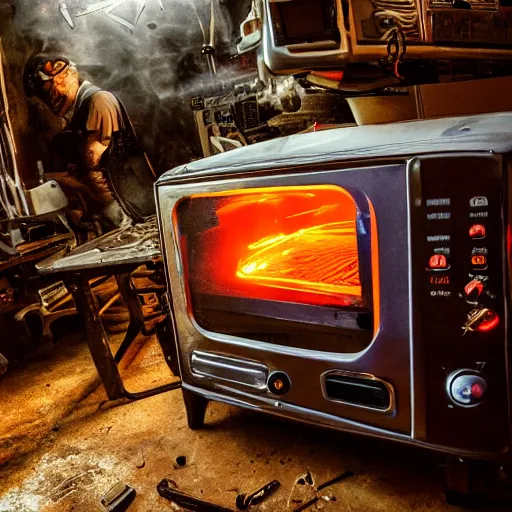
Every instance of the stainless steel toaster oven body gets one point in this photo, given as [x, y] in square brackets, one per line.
[421, 355]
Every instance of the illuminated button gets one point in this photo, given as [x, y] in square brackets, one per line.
[473, 290]
[438, 262]
[278, 383]
[466, 389]
[477, 231]
[477, 390]
[479, 261]
[489, 322]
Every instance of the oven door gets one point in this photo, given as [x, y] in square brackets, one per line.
[290, 292]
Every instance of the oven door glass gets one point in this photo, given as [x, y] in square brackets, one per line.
[285, 255]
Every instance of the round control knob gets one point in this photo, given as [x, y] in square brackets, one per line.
[466, 388]
[279, 383]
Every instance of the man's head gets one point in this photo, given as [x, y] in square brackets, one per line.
[53, 79]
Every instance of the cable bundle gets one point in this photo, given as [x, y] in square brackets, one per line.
[404, 14]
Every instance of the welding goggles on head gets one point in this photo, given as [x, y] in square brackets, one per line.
[40, 72]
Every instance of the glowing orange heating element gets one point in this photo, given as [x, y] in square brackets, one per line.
[322, 259]
[292, 244]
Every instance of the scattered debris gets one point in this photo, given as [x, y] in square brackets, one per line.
[319, 500]
[243, 502]
[181, 462]
[71, 485]
[304, 491]
[306, 479]
[141, 464]
[168, 490]
[118, 498]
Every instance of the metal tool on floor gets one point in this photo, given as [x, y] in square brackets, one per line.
[243, 502]
[168, 490]
[118, 498]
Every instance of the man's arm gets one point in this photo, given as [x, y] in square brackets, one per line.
[102, 121]
[93, 151]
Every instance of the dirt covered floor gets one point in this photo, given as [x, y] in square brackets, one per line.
[62, 446]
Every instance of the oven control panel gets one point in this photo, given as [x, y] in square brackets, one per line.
[458, 301]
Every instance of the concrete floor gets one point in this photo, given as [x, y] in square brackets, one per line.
[62, 446]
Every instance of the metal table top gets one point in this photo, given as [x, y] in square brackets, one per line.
[135, 244]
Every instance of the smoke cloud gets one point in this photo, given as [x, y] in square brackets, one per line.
[154, 68]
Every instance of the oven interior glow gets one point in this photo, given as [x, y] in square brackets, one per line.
[289, 244]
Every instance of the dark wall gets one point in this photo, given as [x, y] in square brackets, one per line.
[154, 69]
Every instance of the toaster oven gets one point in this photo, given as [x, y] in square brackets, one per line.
[355, 278]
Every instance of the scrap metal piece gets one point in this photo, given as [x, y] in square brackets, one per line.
[141, 5]
[118, 19]
[99, 6]
[47, 309]
[118, 497]
[107, 6]
[167, 489]
[63, 8]
[243, 502]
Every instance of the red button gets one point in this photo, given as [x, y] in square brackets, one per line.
[490, 322]
[474, 289]
[477, 390]
[477, 231]
[438, 261]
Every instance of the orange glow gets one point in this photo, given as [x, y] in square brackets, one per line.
[291, 244]
[479, 260]
[489, 324]
[305, 260]
[375, 270]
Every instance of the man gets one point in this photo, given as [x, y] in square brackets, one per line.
[99, 140]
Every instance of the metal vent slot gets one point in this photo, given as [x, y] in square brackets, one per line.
[362, 392]
[229, 369]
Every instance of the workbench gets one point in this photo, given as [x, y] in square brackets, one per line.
[127, 253]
